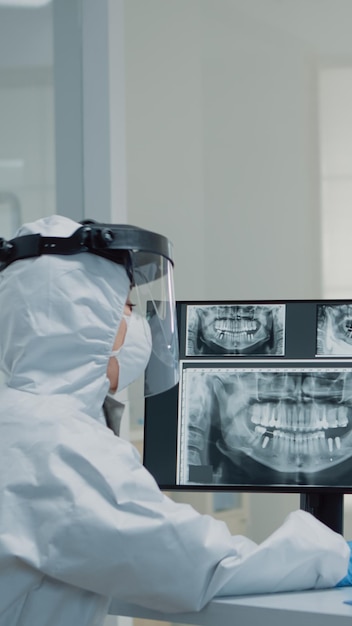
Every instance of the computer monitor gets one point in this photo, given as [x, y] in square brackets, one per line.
[264, 403]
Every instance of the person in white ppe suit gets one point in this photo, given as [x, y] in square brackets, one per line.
[81, 519]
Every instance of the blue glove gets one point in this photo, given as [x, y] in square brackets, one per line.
[347, 580]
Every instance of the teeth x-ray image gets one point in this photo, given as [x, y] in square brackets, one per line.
[285, 427]
[334, 330]
[239, 329]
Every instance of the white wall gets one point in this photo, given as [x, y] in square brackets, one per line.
[164, 130]
[223, 148]
[260, 159]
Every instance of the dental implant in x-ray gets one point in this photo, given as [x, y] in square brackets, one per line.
[334, 330]
[296, 421]
[235, 329]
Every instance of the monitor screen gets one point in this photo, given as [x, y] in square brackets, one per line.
[264, 401]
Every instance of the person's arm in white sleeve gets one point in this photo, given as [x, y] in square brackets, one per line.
[120, 536]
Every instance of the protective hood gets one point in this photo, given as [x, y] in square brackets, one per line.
[61, 314]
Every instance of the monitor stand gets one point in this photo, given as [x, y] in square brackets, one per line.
[326, 507]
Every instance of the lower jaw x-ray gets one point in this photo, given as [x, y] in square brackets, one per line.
[283, 425]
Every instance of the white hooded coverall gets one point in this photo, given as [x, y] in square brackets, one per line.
[81, 520]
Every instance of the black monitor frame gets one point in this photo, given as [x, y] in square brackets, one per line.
[282, 354]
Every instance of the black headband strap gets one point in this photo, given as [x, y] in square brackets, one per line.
[117, 243]
[29, 246]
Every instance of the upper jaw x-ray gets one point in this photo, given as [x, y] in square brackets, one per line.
[236, 329]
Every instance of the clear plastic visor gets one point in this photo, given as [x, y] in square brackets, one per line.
[153, 297]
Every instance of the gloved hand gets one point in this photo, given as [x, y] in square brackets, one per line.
[347, 580]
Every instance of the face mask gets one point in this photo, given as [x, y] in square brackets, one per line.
[134, 354]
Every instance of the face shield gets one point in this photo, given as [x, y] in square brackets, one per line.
[153, 286]
[147, 258]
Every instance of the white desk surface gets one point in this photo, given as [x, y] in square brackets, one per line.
[308, 608]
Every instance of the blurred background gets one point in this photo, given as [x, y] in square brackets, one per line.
[224, 124]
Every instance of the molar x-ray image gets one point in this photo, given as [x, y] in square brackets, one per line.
[239, 329]
[244, 426]
[334, 330]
